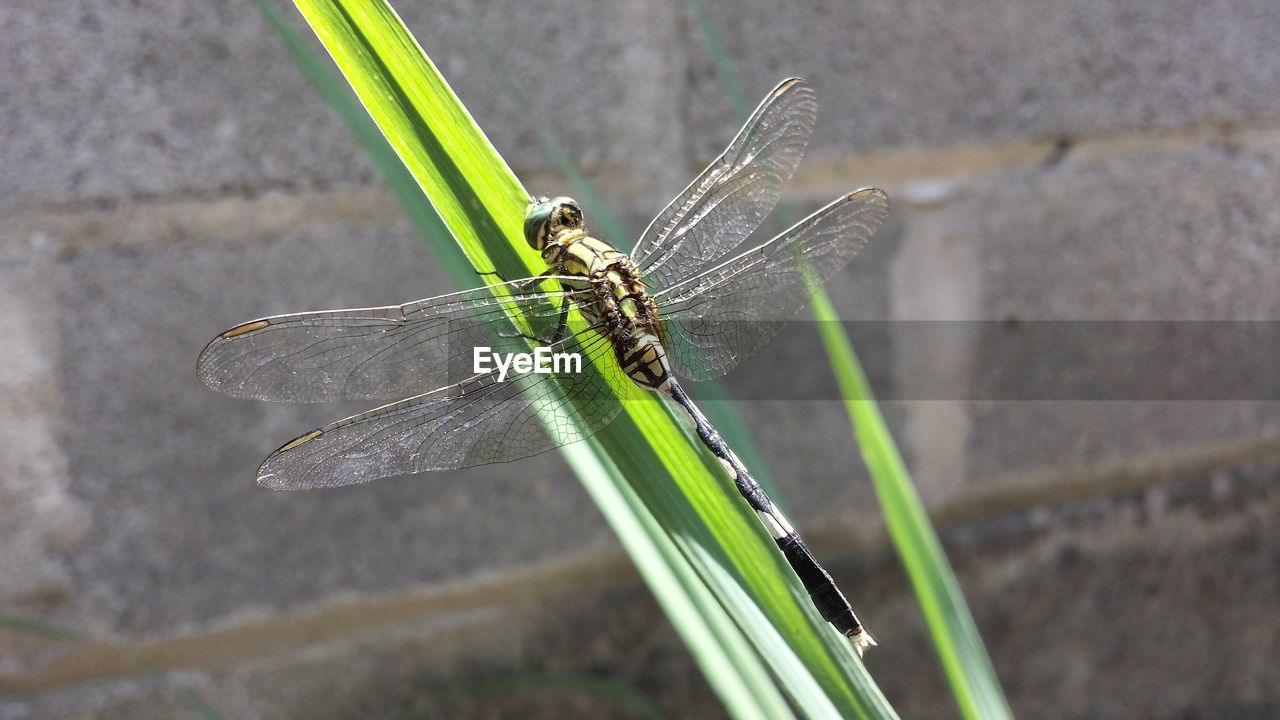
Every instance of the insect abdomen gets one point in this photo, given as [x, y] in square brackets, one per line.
[644, 360]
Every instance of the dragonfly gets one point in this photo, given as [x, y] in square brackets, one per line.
[681, 305]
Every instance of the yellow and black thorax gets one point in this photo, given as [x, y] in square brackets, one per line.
[619, 308]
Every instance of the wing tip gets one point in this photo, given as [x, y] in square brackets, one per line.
[872, 195]
[209, 375]
[264, 480]
[866, 192]
[793, 85]
[244, 329]
[787, 84]
[304, 438]
[204, 372]
[267, 477]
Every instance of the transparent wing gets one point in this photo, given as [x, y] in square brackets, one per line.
[725, 315]
[471, 423]
[733, 195]
[381, 353]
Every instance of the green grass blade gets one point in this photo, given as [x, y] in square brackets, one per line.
[644, 464]
[48, 631]
[725, 73]
[599, 217]
[955, 636]
[190, 699]
[715, 641]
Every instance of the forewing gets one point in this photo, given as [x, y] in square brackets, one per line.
[717, 319]
[733, 195]
[476, 422]
[381, 353]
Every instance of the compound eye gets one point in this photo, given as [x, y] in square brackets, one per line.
[538, 218]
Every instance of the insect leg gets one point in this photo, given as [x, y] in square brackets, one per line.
[563, 325]
[528, 284]
[495, 273]
[519, 286]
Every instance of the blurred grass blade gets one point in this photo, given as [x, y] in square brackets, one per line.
[191, 699]
[725, 73]
[715, 571]
[28, 626]
[337, 94]
[599, 216]
[955, 636]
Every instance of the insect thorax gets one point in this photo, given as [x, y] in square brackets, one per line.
[622, 307]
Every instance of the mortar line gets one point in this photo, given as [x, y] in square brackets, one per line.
[892, 168]
[507, 596]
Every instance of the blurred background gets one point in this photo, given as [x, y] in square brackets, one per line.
[167, 172]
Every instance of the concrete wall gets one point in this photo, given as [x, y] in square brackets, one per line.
[167, 173]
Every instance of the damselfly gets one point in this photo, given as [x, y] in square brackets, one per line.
[674, 307]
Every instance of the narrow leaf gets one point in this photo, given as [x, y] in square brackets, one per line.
[955, 636]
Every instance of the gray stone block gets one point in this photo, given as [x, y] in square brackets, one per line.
[1153, 604]
[107, 102]
[928, 73]
[146, 698]
[40, 517]
[1131, 234]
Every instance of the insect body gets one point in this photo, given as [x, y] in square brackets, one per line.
[620, 307]
[675, 307]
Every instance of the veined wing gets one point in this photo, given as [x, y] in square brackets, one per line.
[725, 204]
[725, 315]
[381, 353]
[475, 422]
